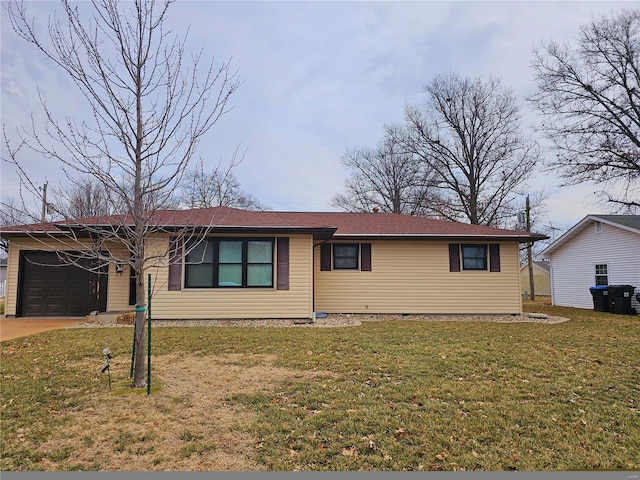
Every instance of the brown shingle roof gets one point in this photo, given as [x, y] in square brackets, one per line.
[345, 224]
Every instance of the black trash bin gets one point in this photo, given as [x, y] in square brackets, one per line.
[600, 295]
[620, 299]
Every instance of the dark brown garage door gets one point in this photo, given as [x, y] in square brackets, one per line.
[52, 288]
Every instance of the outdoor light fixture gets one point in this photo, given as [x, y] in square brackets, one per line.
[119, 268]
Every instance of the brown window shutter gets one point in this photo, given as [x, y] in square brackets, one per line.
[365, 260]
[494, 257]
[282, 274]
[325, 257]
[454, 257]
[175, 263]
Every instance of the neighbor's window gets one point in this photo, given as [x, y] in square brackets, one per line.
[602, 276]
[474, 257]
[345, 256]
[230, 263]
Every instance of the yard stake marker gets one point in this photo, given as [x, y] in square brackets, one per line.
[149, 336]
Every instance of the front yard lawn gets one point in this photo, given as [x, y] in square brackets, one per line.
[385, 395]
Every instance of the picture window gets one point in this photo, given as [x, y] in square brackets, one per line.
[220, 263]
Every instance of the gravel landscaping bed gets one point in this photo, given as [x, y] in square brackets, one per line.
[332, 320]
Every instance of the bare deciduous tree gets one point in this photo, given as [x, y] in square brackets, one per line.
[386, 177]
[217, 188]
[12, 212]
[150, 104]
[469, 133]
[83, 198]
[589, 96]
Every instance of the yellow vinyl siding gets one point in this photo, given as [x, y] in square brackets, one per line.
[407, 277]
[236, 303]
[193, 303]
[117, 286]
[11, 292]
[541, 280]
[411, 276]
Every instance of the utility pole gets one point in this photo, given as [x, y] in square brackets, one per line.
[529, 259]
[44, 203]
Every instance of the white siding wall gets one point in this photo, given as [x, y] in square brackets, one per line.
[573, 264]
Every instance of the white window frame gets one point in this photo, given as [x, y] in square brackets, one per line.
[600, 274]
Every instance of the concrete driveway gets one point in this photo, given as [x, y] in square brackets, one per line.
[21, 327]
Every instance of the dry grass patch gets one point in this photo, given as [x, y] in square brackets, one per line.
[184, 426]
[400, 395]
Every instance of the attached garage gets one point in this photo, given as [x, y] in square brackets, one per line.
[49, 287]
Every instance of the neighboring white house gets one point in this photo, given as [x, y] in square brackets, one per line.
[598, 250]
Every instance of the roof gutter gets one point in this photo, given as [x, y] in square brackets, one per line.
[412, 236]
[319, 233]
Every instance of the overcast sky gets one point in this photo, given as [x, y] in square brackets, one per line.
[319, 78]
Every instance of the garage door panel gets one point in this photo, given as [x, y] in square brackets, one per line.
[49, 287]
[55, 310]
[33, 309]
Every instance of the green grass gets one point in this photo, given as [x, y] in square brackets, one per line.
[389, 396]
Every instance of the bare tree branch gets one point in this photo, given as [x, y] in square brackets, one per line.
[83, 197]
[386, 177]
[589, 96]
[217, 188]
[150, 107]
[469, 135]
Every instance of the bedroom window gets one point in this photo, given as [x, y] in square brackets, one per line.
[345, 256]
[474, 257]
[602, 275]
[220, 263]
